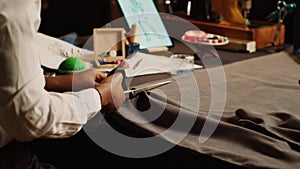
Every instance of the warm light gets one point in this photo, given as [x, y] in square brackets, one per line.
[188, 10]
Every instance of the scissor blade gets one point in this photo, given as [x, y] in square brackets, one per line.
[146, 88]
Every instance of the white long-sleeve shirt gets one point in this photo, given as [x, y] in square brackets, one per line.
[27, 111]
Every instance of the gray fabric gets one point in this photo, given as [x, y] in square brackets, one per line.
[260, 124]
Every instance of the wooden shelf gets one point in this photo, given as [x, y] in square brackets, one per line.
[262, 33]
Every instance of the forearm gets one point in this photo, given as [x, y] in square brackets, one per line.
[74, 81]
[61, 83]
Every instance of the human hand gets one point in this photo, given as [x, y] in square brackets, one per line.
[86, 79]
[111, 92]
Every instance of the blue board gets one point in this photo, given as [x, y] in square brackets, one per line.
[152, 30]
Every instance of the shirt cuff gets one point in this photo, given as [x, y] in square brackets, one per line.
[91, 100]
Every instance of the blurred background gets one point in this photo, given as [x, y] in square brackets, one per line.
[62, 17]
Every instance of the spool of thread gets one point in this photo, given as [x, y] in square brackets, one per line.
[113, 53]
[133, 33]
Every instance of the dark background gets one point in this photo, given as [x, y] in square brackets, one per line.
[62, 17]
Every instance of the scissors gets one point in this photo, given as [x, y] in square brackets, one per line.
[134, 91]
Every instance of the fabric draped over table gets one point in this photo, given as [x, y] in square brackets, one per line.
[260, 125]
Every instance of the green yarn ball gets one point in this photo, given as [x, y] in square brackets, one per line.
[72, 64]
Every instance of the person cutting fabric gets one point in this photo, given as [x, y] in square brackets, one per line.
[32, 106]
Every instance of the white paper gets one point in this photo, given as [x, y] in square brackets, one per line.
[151, 64]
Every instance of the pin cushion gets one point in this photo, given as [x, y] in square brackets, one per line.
[72, 64]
